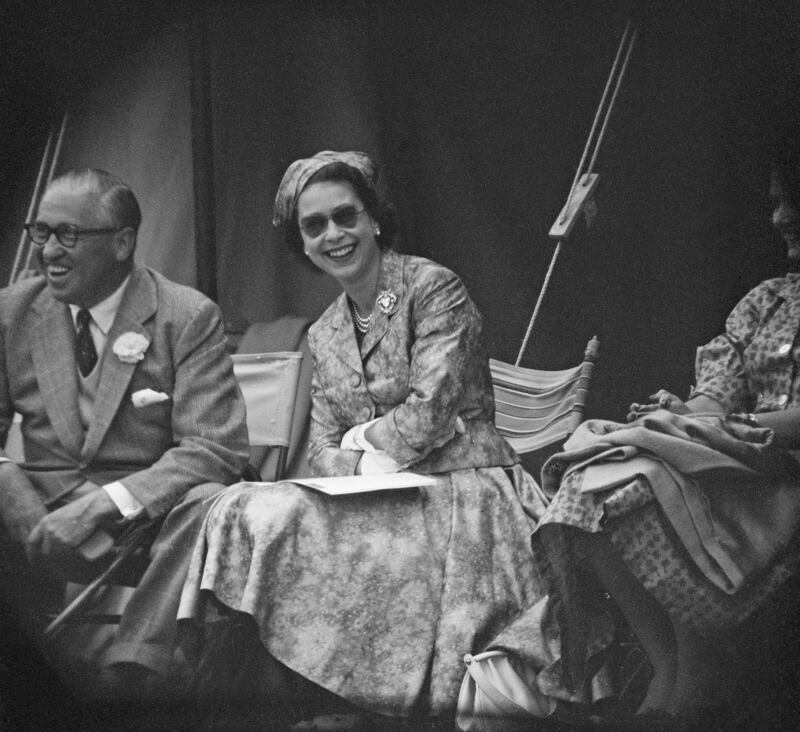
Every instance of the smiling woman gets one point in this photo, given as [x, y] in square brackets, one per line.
[376, 597]
[339, 237]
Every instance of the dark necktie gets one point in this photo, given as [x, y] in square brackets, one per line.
[85, 352]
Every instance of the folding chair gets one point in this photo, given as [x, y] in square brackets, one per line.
[287, 333]
[534, 408]
[269, 383]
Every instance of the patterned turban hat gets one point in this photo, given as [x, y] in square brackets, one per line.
[298, 173]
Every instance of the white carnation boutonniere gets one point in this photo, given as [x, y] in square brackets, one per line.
[130, 347]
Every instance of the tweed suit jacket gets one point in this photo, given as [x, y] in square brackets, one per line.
[158, 451]
[421, 364]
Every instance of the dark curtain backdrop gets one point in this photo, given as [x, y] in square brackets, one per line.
[122, 77]
[478, 114]
[143, 135]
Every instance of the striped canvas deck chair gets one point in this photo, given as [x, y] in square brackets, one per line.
[535, 408]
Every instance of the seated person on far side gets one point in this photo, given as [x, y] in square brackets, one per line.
[129, 408]
[689, 513]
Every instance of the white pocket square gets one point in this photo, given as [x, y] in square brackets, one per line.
[145, 397]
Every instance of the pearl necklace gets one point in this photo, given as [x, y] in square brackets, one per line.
[362, 324]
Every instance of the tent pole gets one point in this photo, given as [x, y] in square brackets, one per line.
[21, 253]
[50, 174]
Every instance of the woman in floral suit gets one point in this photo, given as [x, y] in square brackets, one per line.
[376, 597]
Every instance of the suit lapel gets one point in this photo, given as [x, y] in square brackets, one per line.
[138, 304]
[53, 350]
[390, 293]
[343, 344]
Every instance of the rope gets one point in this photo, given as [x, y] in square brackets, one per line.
[597, 114]
[626, 44]
[538, 302]
[613, 99]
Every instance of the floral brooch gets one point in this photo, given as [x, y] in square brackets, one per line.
[130, 347]
[386, 301]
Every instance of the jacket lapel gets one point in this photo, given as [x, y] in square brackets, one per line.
[343, 345]
[53, 350]
[390, 294]
[138, 304]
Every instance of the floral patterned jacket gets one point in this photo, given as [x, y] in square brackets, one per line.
[421, 365]
[753, 366]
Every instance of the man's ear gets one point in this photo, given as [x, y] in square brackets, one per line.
[124, 244]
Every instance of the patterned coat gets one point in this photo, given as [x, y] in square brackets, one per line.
[421, 365]
[752, 367]
[377, 596]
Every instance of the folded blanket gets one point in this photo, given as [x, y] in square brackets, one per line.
[735, 505]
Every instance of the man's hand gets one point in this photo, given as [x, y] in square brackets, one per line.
[21, 508]
[63, 530]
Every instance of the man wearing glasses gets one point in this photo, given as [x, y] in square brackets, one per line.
[129, 411]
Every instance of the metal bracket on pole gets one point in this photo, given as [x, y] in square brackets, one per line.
[569, 214]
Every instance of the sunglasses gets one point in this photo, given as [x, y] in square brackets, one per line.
[66, 234]
[345, 218]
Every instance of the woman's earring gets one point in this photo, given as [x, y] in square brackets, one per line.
[377, 230]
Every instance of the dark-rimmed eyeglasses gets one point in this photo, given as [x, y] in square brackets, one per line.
[345, 218]
[66, 234]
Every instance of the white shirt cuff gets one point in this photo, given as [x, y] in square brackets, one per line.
[6, 460]
[124, 500]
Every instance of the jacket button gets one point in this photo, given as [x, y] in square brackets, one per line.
[783, 400]
[785, 348]
[355, 380]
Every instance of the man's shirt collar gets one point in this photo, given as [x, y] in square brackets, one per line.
[105, 311]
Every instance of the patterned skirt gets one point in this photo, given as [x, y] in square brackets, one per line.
[377, 596]
[649, 547]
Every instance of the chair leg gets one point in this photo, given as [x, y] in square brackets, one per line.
[134, 540]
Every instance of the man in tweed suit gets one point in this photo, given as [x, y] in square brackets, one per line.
[130, 411]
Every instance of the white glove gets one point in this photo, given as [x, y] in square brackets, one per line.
[373, 461]
[354, 438]
[377, 463]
